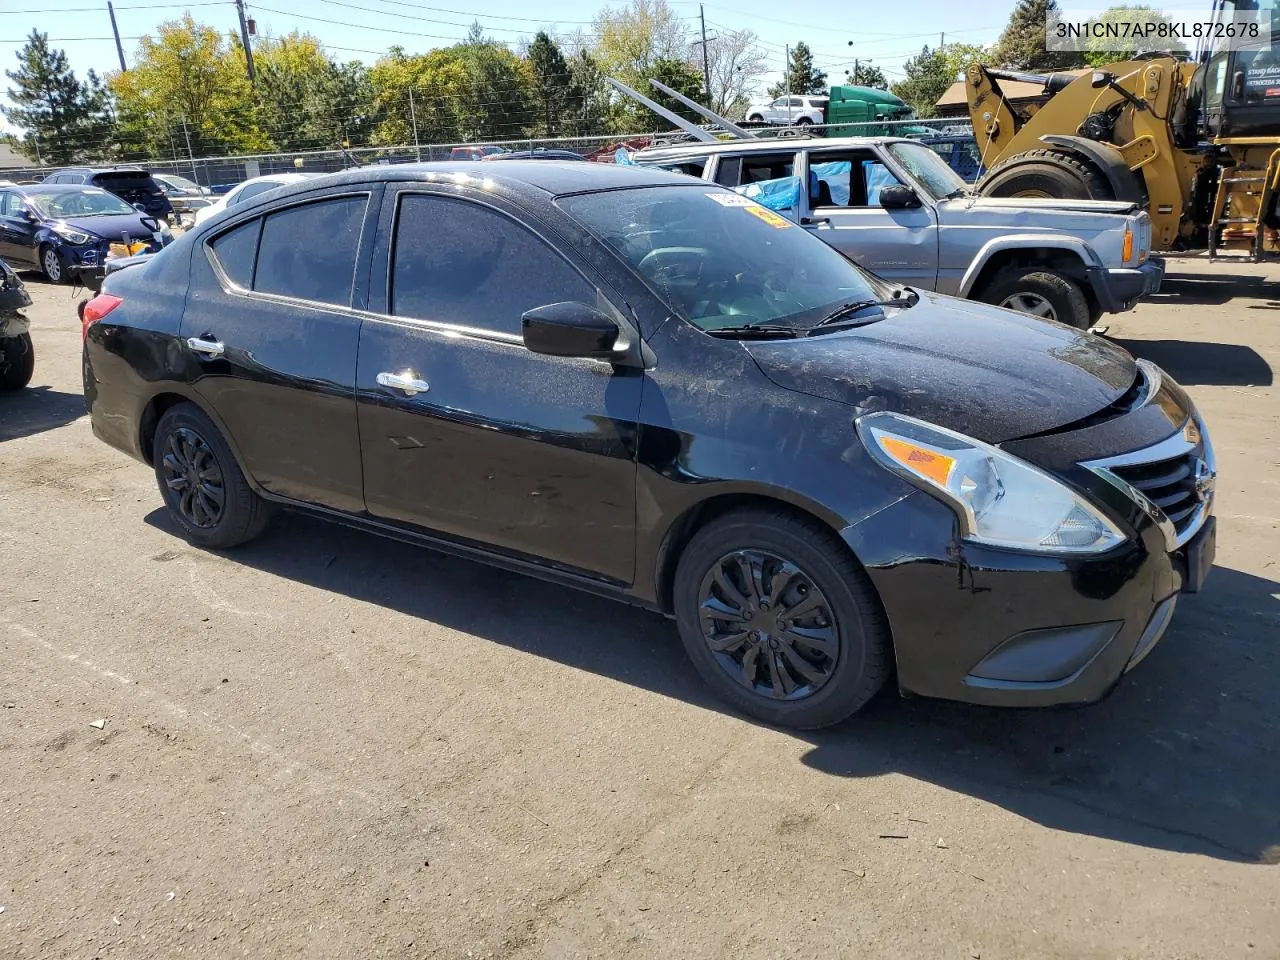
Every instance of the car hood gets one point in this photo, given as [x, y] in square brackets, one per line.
[988, 373]
[1032, 211]
[114, 227]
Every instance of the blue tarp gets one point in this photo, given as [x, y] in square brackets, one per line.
[877, 176]
[782, 195]
[836, 174]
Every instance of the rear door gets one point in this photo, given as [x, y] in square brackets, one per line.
[843, 209]
[271, 327]
[524, 453]
[768, 178]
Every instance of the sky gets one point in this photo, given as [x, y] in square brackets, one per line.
[885, 33]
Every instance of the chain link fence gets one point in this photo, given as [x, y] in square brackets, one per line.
[229, 170]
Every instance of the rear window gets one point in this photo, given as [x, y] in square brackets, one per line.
[234, 251]
[309, 251]
[118, 181]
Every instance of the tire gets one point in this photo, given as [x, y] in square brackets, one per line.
[1047, 173]
[804, 122]
[755, 118]
[19, 362]
[846, 617]
[51, 265]
[1034, 291]
[188, 443]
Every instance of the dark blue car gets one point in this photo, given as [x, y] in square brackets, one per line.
[60, 229]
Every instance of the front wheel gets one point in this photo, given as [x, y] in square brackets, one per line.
[804, 122]
[755, 118]
[780, 619]
[17, 362]
[202, 485]
[1041, 294]
[51, 265]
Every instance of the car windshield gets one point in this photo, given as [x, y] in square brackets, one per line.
[929, 170]
[720, 260]
[85, 202]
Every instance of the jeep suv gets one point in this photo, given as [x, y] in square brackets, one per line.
[133, 185]
[895, 207]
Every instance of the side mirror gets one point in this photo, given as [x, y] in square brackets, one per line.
[27, 214]
[1100, 79]
[569, 330]
[897, 197]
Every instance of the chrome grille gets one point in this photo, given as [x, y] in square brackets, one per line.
[1169, 484]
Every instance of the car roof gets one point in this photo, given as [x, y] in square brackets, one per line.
[765, 144]
[555, 177]
[54, 187]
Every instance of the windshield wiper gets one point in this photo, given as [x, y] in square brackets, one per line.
[755, 331]
[849, 309]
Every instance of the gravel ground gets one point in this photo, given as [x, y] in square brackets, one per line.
[328, 745]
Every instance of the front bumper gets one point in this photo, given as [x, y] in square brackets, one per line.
[1007, 628]
[1119, 289]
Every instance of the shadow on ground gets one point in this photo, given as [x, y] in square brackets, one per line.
[1192, 363]
[36, 409]
[1217, 288]
[1184, 756]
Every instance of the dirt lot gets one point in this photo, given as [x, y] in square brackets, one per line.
[327, 745]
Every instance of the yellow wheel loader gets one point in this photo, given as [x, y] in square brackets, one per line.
[1196, 144]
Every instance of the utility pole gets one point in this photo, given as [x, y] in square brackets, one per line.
[706, 64]
[413, 118]
[111, 12]
[942, 42]
[190, 154]
[248, 49]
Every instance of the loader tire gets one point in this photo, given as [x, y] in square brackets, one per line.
[1047, 173]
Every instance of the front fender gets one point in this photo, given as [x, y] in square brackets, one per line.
[1026, 241]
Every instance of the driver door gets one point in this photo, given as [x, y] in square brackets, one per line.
[842, 208]
[17, 233]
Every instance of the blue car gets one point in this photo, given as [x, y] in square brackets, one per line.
[63, 230]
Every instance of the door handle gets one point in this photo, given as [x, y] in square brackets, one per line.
[210, 348]
[407, 381]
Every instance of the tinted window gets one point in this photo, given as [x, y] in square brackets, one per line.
[7, 203]
[692, 167]
[310, 251]
[252, 190]
[234, 252]
[459, 262]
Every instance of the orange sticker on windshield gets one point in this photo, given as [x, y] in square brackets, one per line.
[768, 216]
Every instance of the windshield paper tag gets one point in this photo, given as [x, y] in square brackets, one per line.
[731, 200]
[768, 216]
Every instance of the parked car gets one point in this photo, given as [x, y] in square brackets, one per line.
[894, 206]
[134, 185]
[789, 111]
[658, 390]
[474, 152]
[17, 355]
[60, 229]
[248, 190]
[541, 153]
[185, 195]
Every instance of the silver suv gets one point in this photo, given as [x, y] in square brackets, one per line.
[895, 207]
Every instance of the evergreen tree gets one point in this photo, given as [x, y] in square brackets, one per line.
[1022, 45]
[62, 118]
[802, 78]
[552, 83]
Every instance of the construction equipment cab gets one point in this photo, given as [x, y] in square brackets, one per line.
[895, 207]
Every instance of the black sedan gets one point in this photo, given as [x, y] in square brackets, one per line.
[60, 229]
[657, 390]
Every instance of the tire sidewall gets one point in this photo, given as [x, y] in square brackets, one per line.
[1068, 310]
[47, 252]
[17, 372]
[193, 418]
[844, 692]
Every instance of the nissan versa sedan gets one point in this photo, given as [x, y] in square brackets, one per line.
[655, 389]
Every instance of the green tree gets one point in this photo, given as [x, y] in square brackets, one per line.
[645, 40]
[587, 112]
[63, 119]
[1022, 44]
[497, 98]
[305, 99]
[552, 84]
[868, 75]
[425, 89]
[1096, 56]
[187, 85]
[930, 74]
[802, 77]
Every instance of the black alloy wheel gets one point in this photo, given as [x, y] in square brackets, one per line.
[769, 626]
[193, 479]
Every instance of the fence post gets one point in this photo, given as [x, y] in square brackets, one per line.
[413, 118]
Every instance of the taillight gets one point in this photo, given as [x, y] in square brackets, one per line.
[95, 310]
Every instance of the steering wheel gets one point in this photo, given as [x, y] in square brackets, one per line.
[674, 266]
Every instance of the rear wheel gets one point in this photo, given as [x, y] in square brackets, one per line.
[18, 363]
[1047, 173]
[51, 265]
[804, 122]
[779, 618]
[1034, 291]
[755, 118]
[202, 485]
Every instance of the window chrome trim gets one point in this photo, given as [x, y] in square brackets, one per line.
[1191, 435]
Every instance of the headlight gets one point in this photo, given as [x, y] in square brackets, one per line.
[1000, 500]
[71, 234]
